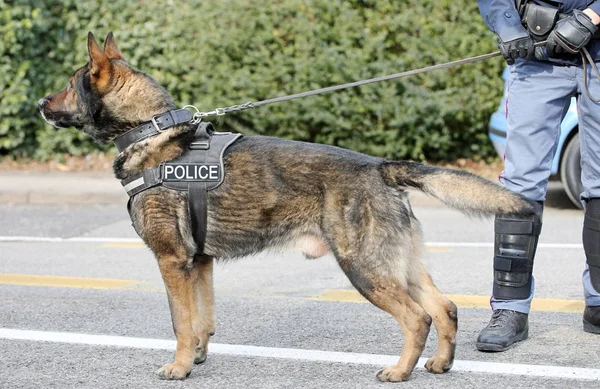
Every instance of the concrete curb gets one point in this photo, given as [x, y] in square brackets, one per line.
[40, 197]
[60, 188]
[91, 188]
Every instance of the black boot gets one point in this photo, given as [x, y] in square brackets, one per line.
[591, 320]
[504, 329]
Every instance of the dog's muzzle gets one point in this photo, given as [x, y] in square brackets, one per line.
[42, 103]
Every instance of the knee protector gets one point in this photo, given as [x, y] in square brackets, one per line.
[515, 243]
[591, 240]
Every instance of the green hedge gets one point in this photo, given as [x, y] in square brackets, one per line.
[214, 53]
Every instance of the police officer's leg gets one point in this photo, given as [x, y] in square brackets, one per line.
[538, 97]
[589, 133]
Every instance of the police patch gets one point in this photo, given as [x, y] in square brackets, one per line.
[202, 166]
[206, 172]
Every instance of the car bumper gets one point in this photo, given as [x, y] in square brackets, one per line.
[496, 132]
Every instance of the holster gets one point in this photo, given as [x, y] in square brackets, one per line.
[520, 6]
[539, 21]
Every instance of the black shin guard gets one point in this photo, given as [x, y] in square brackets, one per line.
[591, 240]
[514, 250]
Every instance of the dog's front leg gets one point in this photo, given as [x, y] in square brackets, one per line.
[203, 318]
[178, 279]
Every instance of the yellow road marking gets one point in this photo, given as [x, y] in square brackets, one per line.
[343, 296]
[349, 296]
[65, 282]
[130, 245]
[464, 301]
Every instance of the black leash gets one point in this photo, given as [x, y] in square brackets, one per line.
[241, 107]
[222, 111]
[586, 59]
[161, 122]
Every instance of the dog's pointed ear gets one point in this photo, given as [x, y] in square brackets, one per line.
[111, 49]
[99, 63]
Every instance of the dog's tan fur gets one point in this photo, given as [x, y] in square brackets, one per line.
[277, 193]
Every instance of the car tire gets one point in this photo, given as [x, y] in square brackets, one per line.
[570, 171]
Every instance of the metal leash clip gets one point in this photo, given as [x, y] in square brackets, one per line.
[197, 116]
[215, 112]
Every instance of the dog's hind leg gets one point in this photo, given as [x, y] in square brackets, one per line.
[178, 281]
[203, 312]
[378, 255]
[385, 288]
[445, 319]
[392, 297]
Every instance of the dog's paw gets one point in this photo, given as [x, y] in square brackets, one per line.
[173, 371]
[392, 374]
[438, 365]
[201, 354]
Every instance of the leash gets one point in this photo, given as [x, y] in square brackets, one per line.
[197, 117]
[241, 107]
[160, 123]
[586, 57]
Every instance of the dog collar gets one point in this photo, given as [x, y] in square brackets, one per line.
[153, 127]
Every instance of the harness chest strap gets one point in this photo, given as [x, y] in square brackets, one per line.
[198, 170]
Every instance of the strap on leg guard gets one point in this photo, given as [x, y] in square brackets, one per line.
[515, 243]
[591, 240]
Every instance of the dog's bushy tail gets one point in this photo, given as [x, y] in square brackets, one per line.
[458, 189]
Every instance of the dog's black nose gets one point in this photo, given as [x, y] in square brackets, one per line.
[41, 103]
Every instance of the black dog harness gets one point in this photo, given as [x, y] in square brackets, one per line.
[199, 168]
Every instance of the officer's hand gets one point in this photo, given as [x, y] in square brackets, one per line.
[516, 48]
[570, 34]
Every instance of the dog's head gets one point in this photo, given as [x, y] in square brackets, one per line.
[105, 97]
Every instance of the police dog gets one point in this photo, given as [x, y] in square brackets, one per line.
[277, 193]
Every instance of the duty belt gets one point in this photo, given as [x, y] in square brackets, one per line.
[539, 20]
[199, 169]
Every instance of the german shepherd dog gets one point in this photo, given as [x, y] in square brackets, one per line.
[277, 193]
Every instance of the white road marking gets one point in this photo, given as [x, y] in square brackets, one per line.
[81, 239]
[491, 244]
[91, 239]
[299, 354]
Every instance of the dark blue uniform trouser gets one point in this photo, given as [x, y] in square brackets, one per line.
[539, 94]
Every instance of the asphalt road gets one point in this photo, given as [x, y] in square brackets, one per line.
[282, 321]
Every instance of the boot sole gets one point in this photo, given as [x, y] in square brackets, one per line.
[493, 347]
[591, 328]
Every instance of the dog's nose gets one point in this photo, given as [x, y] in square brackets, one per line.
[41, 103]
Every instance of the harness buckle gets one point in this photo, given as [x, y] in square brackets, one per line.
[200, 145]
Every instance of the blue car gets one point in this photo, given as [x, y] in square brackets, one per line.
[566, 164]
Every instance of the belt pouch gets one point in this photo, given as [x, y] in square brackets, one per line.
[539, 21]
